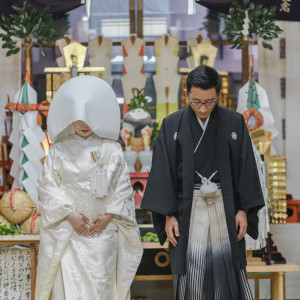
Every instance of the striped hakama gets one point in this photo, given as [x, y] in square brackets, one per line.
[210, 272]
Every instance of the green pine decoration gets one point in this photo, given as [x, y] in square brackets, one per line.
[139, 100]
[155, 131]
[34, 28]
[261, 24]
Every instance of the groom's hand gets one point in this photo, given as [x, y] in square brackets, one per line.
[171, 228]
[241, 223]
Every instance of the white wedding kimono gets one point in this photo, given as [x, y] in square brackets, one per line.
[72, 266]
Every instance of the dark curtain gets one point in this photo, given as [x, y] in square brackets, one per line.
[57, 7]
[287, 10]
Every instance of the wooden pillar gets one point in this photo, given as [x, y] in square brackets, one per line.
[140, 13]
[33, 269]
[274, 288]
[245, 64]
[284, 285]
[132, 15]
[256, 289]
[281, 285]
[278, 285]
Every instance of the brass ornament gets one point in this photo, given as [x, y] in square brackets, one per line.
[74, 53]
[158, 256]
[277, 188]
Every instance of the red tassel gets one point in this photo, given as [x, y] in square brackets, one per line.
[32, 224]
[12, 196]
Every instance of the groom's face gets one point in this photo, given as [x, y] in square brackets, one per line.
[202, 101]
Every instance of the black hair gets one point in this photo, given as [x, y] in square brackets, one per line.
[205, 78]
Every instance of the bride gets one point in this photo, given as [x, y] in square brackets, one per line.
[90, 245]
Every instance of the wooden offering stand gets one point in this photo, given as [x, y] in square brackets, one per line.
[254, 261]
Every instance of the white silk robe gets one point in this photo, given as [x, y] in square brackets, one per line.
[71, 266]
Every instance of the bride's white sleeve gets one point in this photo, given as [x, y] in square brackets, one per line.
[121, 201]
[53, 205]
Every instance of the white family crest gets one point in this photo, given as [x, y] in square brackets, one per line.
[175, 136]
[234, 135]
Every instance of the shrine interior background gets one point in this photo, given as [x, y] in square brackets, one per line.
[112, 20]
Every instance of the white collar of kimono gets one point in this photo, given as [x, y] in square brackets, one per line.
[201, 123]
[88, 99]
[82, 141]
[204, 126]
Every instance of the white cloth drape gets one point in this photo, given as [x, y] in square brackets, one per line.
[263, 213]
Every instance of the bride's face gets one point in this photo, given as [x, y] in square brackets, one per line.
[82, 129]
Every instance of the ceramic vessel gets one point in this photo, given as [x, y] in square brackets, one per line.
[130, 158]
[138, 119]
[145, 158]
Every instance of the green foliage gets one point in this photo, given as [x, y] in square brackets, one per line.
[139, 100]
[12, 229]
[33, 27]
[155, 131]
[261, 24]
[151, 237]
